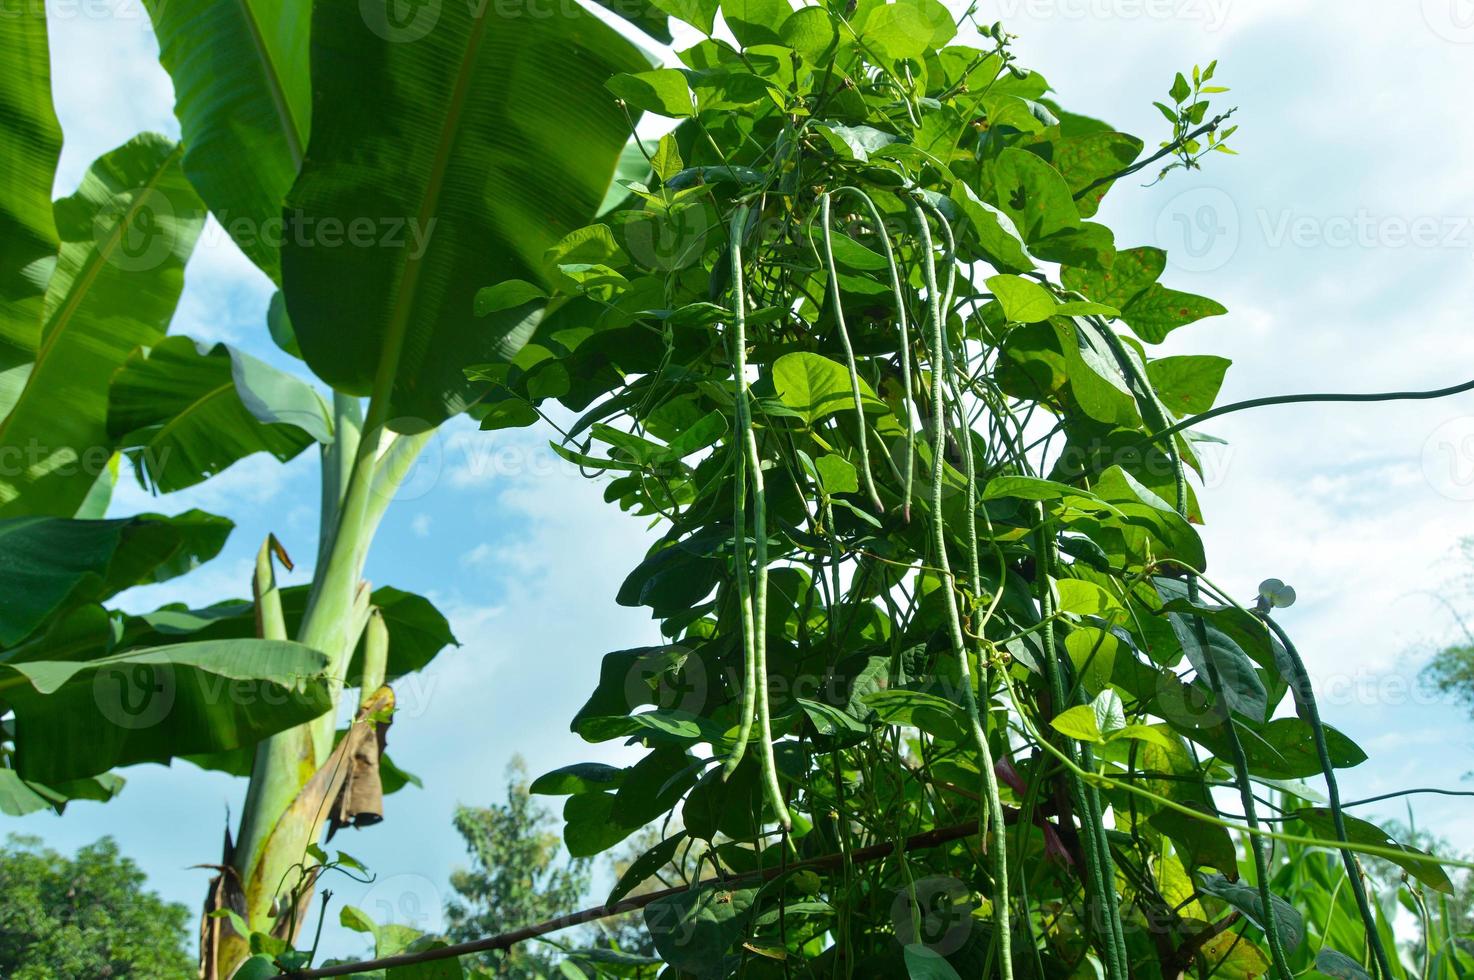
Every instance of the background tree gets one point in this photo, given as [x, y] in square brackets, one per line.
[85, 916]
[1451, 671]
[1449, 917]
[517, 876]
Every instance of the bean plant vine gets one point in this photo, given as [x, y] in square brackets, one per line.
[911, 578]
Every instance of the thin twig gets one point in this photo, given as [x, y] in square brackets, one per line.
[1170, 148]
[875, 852]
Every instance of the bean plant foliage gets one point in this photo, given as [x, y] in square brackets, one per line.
[928, 555]
[945, 687]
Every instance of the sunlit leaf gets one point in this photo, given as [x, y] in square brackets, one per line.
[244, 102]
[185, 411]
[125, 234]
[502, 138]
[149, 705]
[30, 144]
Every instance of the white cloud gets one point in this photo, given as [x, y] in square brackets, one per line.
[420, 524]
[479, 555]
[225, 295]
[106, 80]
[255, 481]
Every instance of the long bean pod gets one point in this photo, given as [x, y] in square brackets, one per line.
[939, 360]
[743, 409]
[1306, 695]
[899, 295]
[849, 352]
[755, 641]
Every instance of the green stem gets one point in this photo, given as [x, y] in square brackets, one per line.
[849, 353]
[1127, 786]
[355, 492]
[1164, 435]
[1306, 695]
[272, 755]
[1100, 868]
[1001, 910]
[337, 467]
[1090, 795]
[335, 612]
[286, 760]
[900, 297]
[395, 463]
[1100, 885]
[1155, 417]
[1426, 921]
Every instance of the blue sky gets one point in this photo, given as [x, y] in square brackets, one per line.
[1341, 240]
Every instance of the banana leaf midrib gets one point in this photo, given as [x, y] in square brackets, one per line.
[290, 130]
[91, 268]
[399, 314]
[189, 410]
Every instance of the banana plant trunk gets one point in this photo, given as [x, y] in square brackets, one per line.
[267, 872]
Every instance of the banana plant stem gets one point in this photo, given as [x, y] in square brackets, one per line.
[355, 492]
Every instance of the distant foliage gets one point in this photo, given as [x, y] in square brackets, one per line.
[1451, 672]
[85, 916]
[516, 877]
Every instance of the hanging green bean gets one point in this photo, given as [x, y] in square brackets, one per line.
[755, 707]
